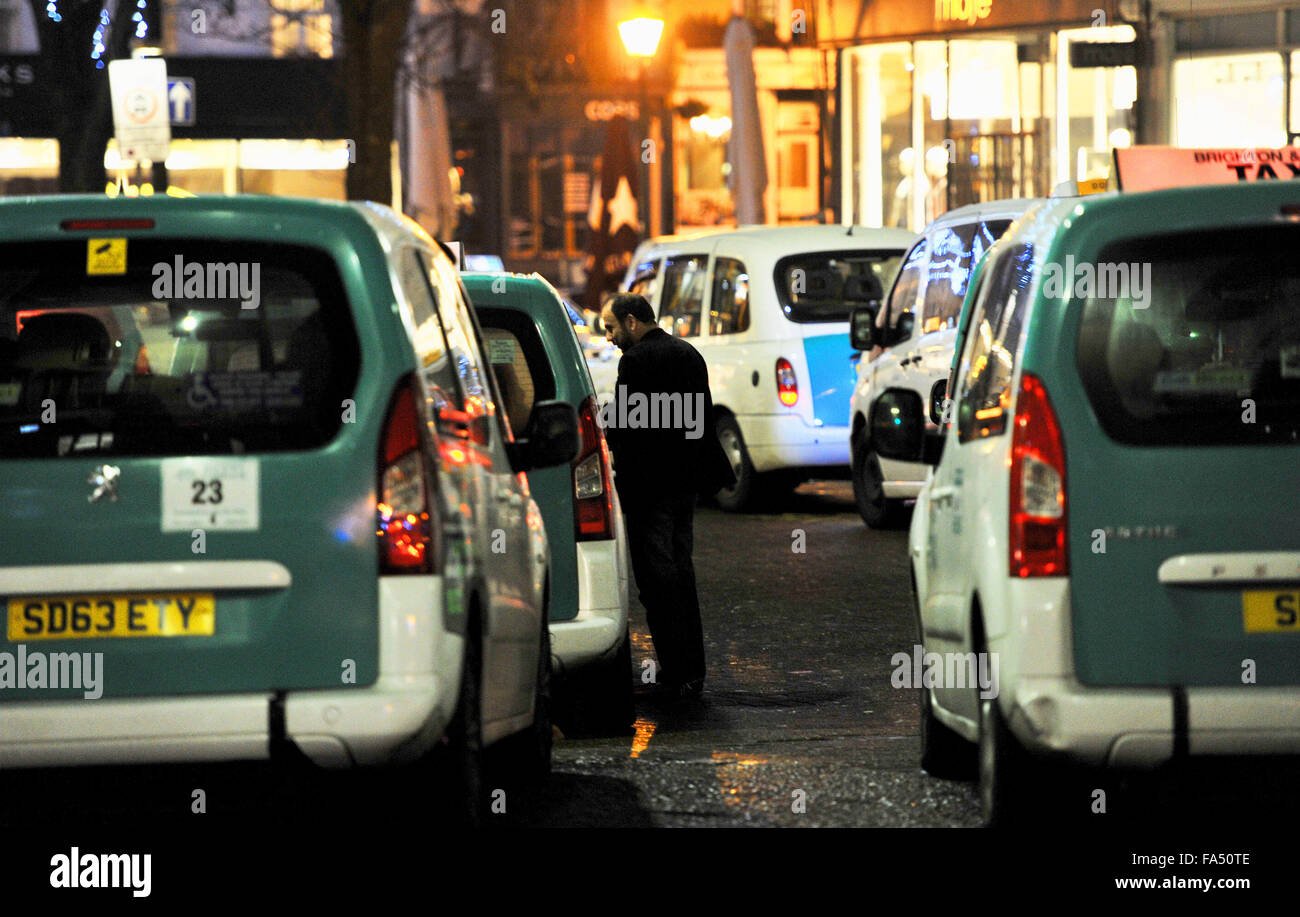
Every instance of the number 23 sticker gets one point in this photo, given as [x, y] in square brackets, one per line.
[211, 494]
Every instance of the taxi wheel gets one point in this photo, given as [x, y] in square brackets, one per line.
[877, 510]
[523, 761]
[604, 698]
[736, 498]
[459, 759]
[1005, 770]
[944, 753]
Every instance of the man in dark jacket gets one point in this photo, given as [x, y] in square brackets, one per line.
[666, 451]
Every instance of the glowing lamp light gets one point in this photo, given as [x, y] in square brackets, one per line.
[641, 36]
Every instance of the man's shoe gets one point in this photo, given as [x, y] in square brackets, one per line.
[691, 690]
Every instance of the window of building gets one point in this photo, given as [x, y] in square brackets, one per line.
[1243, 91]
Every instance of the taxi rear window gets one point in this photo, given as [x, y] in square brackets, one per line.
[828, 286]
[170, 347]
[1203, 348]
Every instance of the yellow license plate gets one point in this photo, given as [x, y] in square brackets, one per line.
[142, 614]
[1271, 611]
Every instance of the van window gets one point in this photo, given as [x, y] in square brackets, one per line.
[644, 279]
[435, 359]
[1205, 349]
[903, 297]
[955, 253]
[461, 335]
[991, 344]
[519, 362]
[200, 347]
[682, 304]
[729, 306]
[828, 286]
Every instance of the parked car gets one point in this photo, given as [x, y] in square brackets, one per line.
[768, 309]
[908, 343]
[536, 357]
[276, 533]
[1109, 515]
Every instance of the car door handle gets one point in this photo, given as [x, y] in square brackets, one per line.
[942, 494]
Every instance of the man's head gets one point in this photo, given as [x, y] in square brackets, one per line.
[627, 317]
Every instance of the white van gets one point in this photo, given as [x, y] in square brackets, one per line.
[910, 344]
[768, 310]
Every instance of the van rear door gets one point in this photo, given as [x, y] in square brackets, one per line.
[1183, 462]
[180, 488]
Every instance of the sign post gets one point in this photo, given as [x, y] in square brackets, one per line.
[138, 89]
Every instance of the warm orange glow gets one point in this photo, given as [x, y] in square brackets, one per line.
[789, 398]
[641, 36]
[641, 741]
[986, 413]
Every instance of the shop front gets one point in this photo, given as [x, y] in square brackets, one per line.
[1233, 70]
[950, 102]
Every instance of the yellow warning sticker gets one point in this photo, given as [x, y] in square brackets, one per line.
[106, 256]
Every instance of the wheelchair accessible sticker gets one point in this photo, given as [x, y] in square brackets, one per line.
[106, 256]
[215, 494]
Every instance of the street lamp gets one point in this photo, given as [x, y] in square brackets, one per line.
[641, 39]
[641, 36]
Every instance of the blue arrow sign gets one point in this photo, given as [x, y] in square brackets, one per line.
[181, 100]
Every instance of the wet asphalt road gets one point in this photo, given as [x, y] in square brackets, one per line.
[798, 711]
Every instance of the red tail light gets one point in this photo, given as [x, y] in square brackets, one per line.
[408, 531]
[593, 490]
[137, 223]
[787, 386]
[1038, 517]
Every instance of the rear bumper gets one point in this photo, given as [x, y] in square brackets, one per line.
[1134, 727]
[1050, 711]
[397, 718]
[777, 441]
[597, 631]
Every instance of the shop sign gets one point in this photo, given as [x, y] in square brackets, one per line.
[870, 20]
[1103, 54]
[608, 109]
[1149, 168]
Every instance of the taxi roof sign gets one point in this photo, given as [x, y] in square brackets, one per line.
[1150, 168]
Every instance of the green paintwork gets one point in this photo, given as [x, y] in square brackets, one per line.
[317, 507]
[1128, 628]
[552, 488]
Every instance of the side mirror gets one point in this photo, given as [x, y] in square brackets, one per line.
[901, 331]
[551, 437]
[897, 425]
[938, 400]
[862, 327]
[898, 429]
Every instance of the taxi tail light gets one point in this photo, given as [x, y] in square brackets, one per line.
[593, 491]
[1038, 517]
[787, 386]
[408, 530]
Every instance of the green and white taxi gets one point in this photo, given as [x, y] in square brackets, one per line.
[256, 498]
[1111, 512]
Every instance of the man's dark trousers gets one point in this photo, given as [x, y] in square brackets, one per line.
[660, 539]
